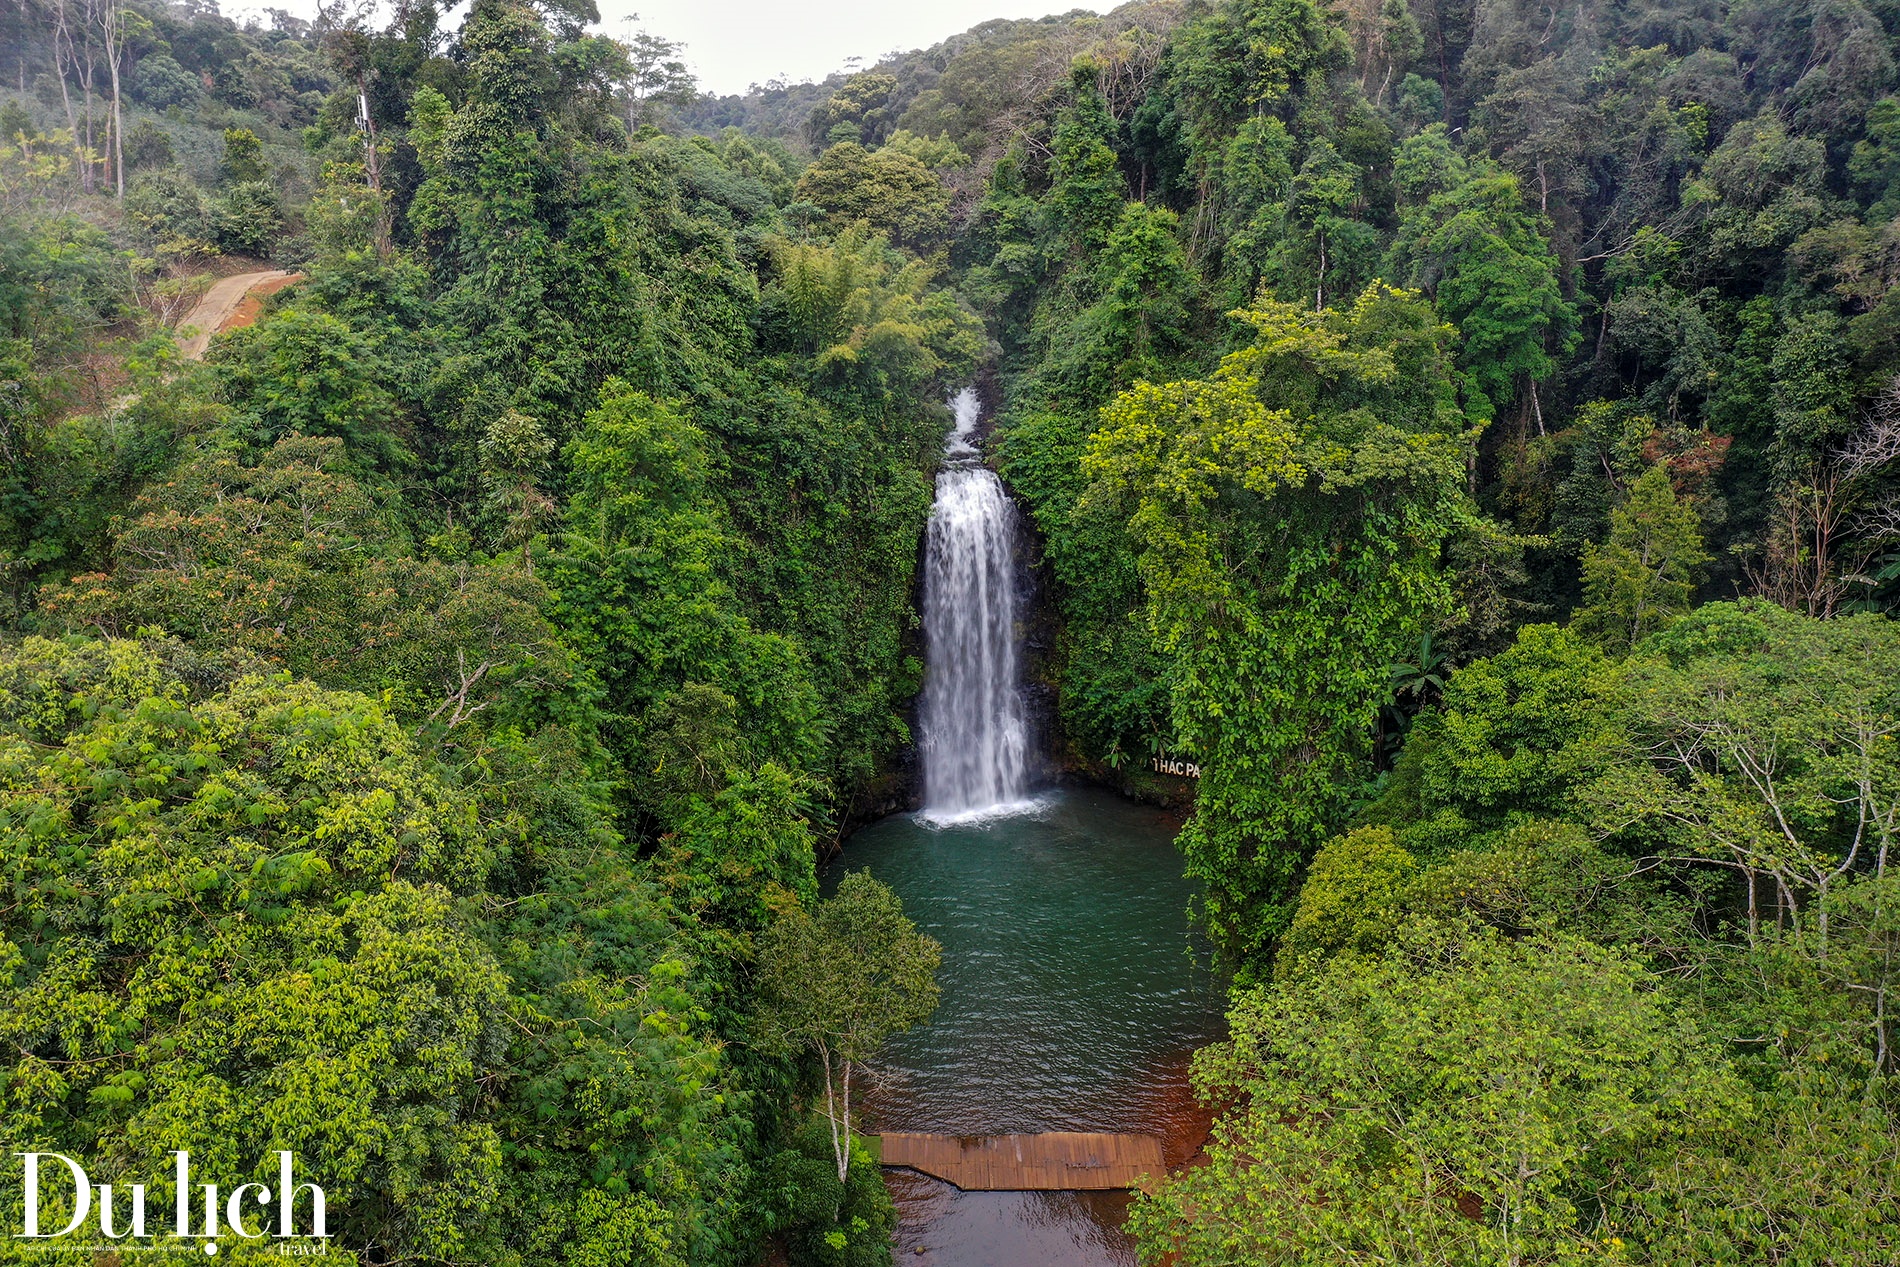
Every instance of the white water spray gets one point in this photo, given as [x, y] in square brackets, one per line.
[975, 736]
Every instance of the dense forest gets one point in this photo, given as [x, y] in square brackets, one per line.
[1467, 430]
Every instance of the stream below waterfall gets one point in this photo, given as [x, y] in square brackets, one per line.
[1072, 995]
[1072, 1000]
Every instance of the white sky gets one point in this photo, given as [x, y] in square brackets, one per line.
[731, 44]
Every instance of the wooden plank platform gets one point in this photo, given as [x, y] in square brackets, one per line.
[1054, 1161]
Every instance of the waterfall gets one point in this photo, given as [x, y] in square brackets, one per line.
[975, 736]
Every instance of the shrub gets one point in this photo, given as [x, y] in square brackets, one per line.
[160, 82]
[148, 145]
[827, 1223]
[246, 218]
[166, 206]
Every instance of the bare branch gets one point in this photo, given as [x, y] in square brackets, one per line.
[1877, 442]
[457, 700]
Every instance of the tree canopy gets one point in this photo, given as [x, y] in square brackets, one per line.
[1465, 436]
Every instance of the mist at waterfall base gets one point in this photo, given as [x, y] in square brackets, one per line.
[1072, 994]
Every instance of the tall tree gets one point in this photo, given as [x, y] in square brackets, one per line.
[1287, 516]
[841, 980]
[1468, 241]
[656, 80]
[1643, 577]
[1461, 1098]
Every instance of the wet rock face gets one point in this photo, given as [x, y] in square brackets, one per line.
[1039, 633]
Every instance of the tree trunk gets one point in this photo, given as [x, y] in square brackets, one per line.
[840, 1144]
[844, 1156]
[1754, 912]
[113, 29]
[62, 50]
[1883, 1058]
[1319, 295]
[372, 167]
[89, 72]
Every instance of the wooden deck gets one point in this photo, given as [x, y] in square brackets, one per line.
[1058, 1161]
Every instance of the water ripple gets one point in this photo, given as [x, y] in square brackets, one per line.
[1073, 994]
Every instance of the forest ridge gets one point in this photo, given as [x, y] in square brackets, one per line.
[1469, 432]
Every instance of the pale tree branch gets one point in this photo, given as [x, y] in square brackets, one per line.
[458, 694]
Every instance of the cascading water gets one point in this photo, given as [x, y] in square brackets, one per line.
[975, 736]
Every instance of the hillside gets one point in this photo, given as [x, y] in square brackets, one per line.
[1465, 436]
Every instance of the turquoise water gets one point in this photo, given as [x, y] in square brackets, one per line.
[1073, 995]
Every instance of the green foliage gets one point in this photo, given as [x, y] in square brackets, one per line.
[858, 113]
[1464, 1098]
[1736, 770]
[287, 938]
[599, 458]
[515, 452]
[743, 853]
[1257, 175]
[866, 314]
[1350, 901]
[657, 80]
[887, 190]
[1114, 699]
[309, 373]
[1604, 448]
[60, 281]
[1875, 163]
[160, 82]
[1813, 396]
[1085, 183]
[243, 161]
[1323, 249]
[624, 1133]
[827, 1223]
[265, 950]
[636, 589]
[612, 1230]
[63, 473]
[838, 979]
[168, 207]
[937, 153]
[1641, 579]
[345, 218]
[1773, 753]
[1288, 553]
[1139, 327]
[246, 218]
[560, 262]
[1511, 740]
[1803, 1182]
[1247, 58]
[148, 145]
[1468, 240]
[294, 562]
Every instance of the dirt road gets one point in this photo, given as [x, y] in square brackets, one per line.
[219, 303]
